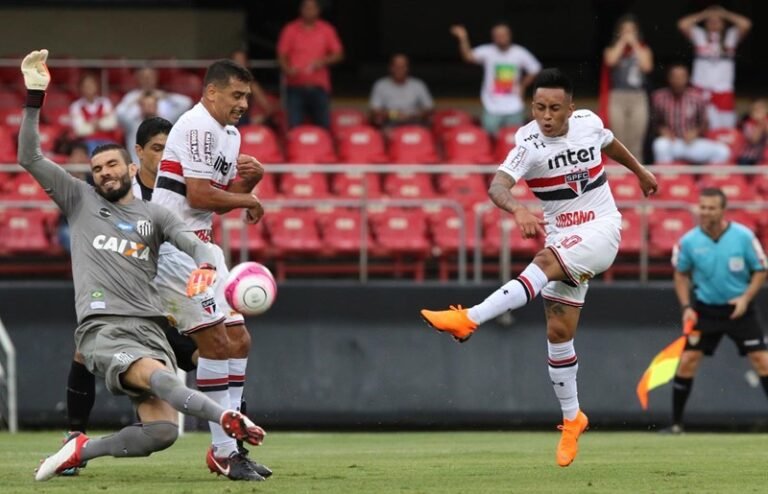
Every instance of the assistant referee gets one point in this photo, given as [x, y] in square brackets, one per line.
[724, 266]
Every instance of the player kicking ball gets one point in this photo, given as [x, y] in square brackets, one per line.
[115, 244]
[558, 154]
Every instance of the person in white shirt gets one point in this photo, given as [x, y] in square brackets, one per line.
[400, 99]
[559, 156]
[504, 84]
[714, 66]
[93, 116]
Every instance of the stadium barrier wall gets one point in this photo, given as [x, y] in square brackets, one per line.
[345, 355]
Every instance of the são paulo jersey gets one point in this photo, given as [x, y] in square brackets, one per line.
[566, 172]
[198, 147]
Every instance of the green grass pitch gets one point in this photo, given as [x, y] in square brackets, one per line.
[419, 462]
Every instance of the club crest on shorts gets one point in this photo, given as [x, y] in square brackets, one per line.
[209, 305]
[577, 181]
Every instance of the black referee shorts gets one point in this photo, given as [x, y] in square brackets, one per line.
[183, 347]
[714, 322]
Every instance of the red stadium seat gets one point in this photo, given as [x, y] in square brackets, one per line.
[261, 142]
[677, 188]
[345, 119]
[11, 99]
[310, 144]
[445, 227]
[11, 117]
[467, 144]
[468, 189]
[232, 224]
[58, 99]
[631, 232]
[666, 228]
[625, 187]
[120, 78]
[7, 148]
[304, 185]
[23, 231]
[505, 142]
[351, 185]
[57, 116]
[492, 235]
[447, 119]
[266, 188]
[186, 83]
[401, 232]
[49, 134]
[361, 144]
[408, 185]
[341, 232]
[293, 232]
[522, 193]
[735, 187]
[25, 188]
[733, 138]
[412, 144]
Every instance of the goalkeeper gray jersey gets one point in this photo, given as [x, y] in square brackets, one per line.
[114, 246]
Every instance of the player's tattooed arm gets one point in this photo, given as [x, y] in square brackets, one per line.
[500, 192]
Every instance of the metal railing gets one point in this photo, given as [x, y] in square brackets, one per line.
[8, 379]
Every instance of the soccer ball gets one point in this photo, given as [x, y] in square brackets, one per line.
[250, 288]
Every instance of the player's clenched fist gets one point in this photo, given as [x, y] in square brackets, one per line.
[36, 75]
[200, 280]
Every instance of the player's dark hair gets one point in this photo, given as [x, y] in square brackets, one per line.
[111, 147]
[553, 79]
[221, 71]
[715, 192]
[151, 127]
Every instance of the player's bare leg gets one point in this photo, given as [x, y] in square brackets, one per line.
[461, 323]
[562, 321]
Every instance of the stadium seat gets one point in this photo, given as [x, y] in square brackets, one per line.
[11, 117]
[735, 187]
[467, 144]
[522, 193]
[58, 99]
[186, 83]
[408, 185]
[492, 235]
[733, 138]
[341, 231]
[25, 188]
[304, 185]
[232, 224]
[447, 119]
[412, 144]
[23, 232]
[350, 185]
[631, 232]
[666, 228]
[11, 99]
[310, 144]
[345, 119]
[293, 232]
[677, 188]
[260, 141]
[361, 144]
[750, 219]
[49, 135]
[505, 142]
[467, 189]
[7, 148]
[266, 188]
[120, 78]
[401, 232]
[57, 116]
[445, 227]
[625, 187]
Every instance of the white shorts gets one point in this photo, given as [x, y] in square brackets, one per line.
[583, 252]
[196, 313]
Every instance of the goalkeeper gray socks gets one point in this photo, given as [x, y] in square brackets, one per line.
[134, 440]
[165, 385]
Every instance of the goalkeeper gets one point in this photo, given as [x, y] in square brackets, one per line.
[115, 242]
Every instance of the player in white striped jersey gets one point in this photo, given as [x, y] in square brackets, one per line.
[558, 154]
[196, 180]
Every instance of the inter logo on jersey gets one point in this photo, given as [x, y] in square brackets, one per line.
[572, 157]
[122, 246]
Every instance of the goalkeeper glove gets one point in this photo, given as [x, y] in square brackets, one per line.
[201, 279]
[36, 77]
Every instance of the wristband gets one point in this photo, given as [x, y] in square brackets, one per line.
[206, 265]
[35, 98]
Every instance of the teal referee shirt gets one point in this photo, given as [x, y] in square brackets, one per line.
[720, 269]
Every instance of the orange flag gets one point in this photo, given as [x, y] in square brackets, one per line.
[663, 366]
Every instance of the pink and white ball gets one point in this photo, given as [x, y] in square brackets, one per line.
[250, 288]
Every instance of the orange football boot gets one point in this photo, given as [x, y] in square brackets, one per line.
[569, 440]
[455, 321]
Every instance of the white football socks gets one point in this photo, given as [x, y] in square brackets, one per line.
[237, 368]
[511, 296]
[563, 367]
[213, 380]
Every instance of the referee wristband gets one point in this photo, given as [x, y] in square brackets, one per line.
[35, 98]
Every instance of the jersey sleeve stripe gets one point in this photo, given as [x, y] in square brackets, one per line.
[172, 185]
[171, 167]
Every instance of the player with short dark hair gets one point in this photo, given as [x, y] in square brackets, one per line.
[559, 155]
[115, 247]
[723, 264]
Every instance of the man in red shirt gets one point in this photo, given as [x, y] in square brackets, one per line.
[306, 48]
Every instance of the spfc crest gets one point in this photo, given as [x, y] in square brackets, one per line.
[577, 181]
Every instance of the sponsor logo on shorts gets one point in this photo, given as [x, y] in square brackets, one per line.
[144, 227]
[573, 218]
[128, 248]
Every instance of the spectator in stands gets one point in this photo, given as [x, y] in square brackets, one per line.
[93, 117]
[147, 104]
[400, 99]
[680, 117]
[628, 61]
[305, 50]
[265, 108]
[719, 269]
[755, 130]
[503, 83]
[714, 66]
[148, 101]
